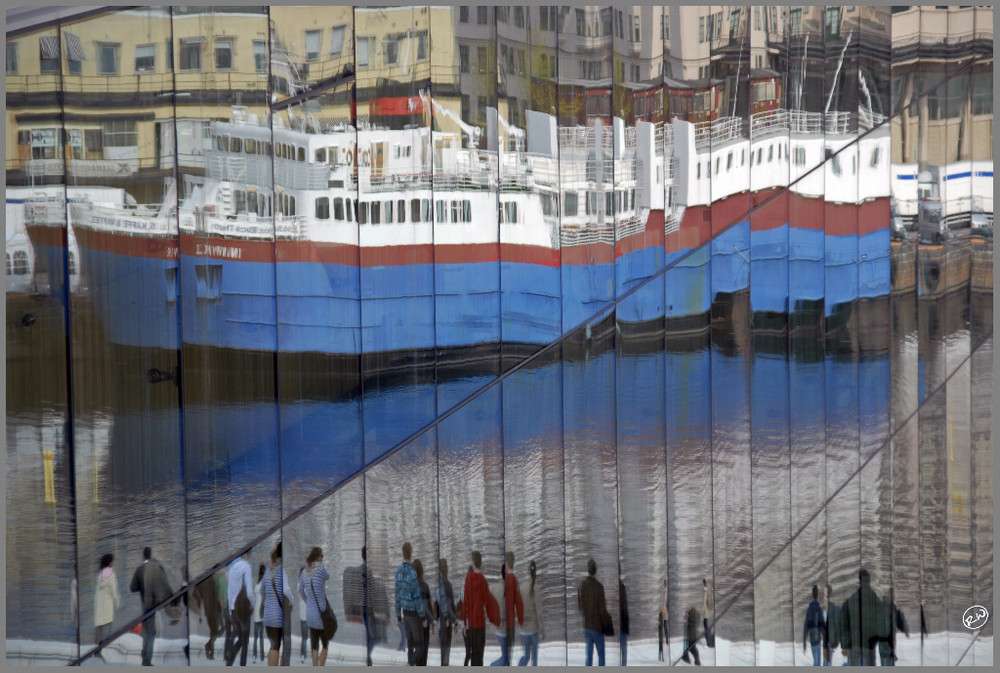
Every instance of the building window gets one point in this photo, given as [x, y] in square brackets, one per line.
[481, 15]
[422, 45]
[466, 107]
[120, 133]
[107, 59]
[12, 58]
[519, 17]
[982, 93]
[259, 55]
[481, 109]
[701, 29]
[391, 51]
[170, 55]
[481, 59]
[337, 40]
[313, 39]
[223, 54]
[463, 13]
[463, 58]
[833, 21]
[580, 23]
[547, 18]
[191, 54]
[635, 29]
[145, 58]
[48, 54]
[74, 53]
[364, 49]
[795, 20]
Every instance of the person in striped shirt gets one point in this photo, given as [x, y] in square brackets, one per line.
[276, 617]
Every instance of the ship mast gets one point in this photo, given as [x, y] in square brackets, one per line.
[836, 75]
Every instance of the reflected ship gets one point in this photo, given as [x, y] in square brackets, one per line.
[373, 239]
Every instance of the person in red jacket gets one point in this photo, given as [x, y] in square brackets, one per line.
[478, 604]
[515, 607]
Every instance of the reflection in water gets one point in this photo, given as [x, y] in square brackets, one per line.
[541, 408]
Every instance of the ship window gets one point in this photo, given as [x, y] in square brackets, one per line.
[208, 282]
[697, 170]
[171, 289]
[760, 155]
[875, 157]
[717, 160]
[425, 210]
[708, 168]
[770, 153]
[250, 146]
[301, 156]
[440, 211]
[401, 211]
[572, 206]
[414, 210]
[836, 165]
[609, 203]
[219, 143]
[546, 204]
[334, 154]
[291, 203]
[362, 212]
[20, 263]
[454, 212]
[854, 165]
[729, 161]
[241, 201]
[235, 144]
[467, 210]
[388, 212]
[633, 199]
[743, 157]
[376, 212]
[351, 212]
[338, 209]
[323, 208]
[321, 155]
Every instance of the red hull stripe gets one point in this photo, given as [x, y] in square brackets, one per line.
[696, 229]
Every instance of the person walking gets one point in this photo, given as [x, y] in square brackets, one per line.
[497, 590]
[428, 613]
[706, 613]
[515, 607]
[300, 617]
[258, 614]
[409, 606]
[445, 611]
[814, 627]
[278, 599]
[887, 647]
[240, 600]
[368, 605]
[662, 619]
[532, 628]
[106, 600]
[623, 619]
[831, 635]
[590, 601]
[864, 622]
[312, 590]
[691, 624]
[477, 604]
[150, 581]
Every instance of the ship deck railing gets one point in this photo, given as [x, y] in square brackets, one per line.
[570, 235]
[716, 132]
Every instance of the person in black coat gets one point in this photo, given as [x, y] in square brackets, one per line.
[692, 621]
[623, 620]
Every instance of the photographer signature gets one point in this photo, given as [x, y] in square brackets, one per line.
[975, 617]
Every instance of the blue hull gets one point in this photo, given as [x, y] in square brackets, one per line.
[312, 307]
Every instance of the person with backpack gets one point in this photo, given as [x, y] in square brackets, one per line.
[312, 589]
[258, 614]
[150, 581]
[814, 628]
[444, 610]
[278, 598]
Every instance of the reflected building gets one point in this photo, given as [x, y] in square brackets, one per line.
[432, 271]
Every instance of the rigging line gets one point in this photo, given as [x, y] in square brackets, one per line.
[822, 508]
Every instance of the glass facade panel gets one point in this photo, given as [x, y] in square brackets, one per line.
[685, 343]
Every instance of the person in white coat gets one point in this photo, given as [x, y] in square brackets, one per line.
[106, 600]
